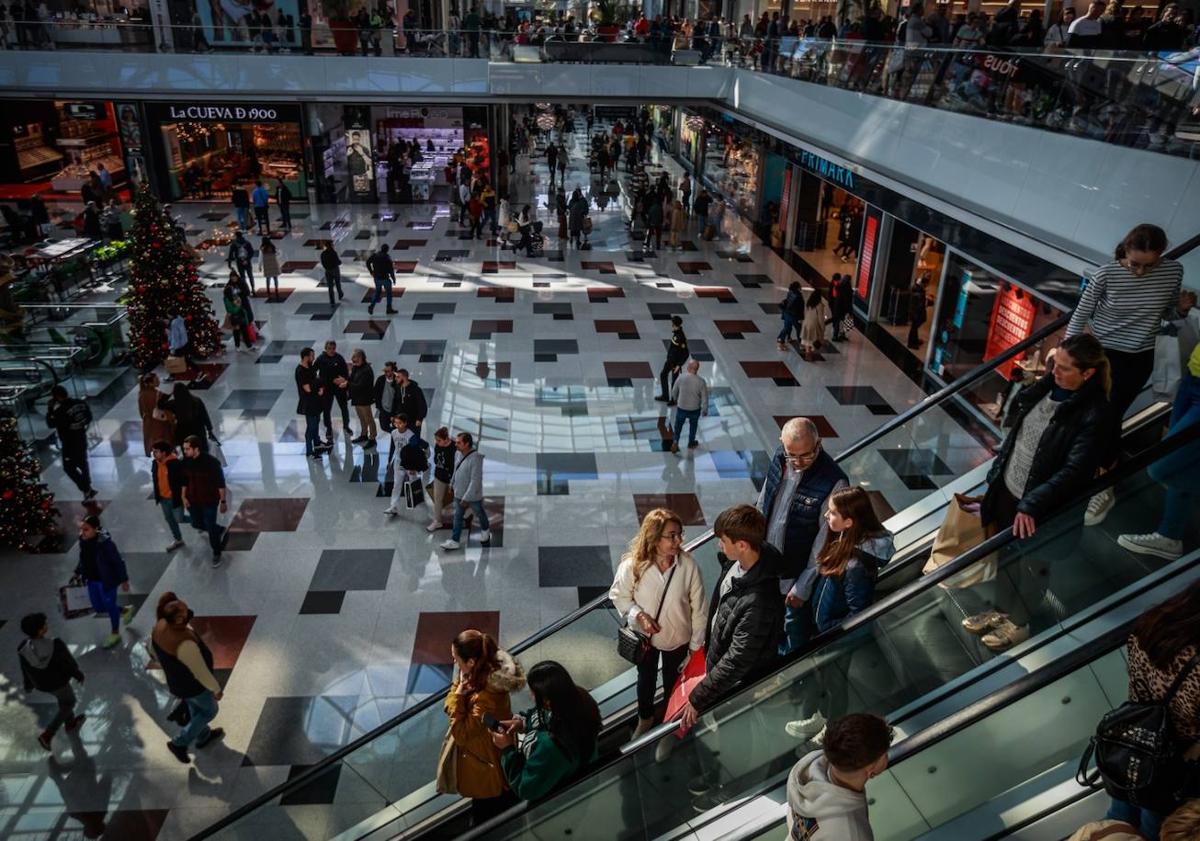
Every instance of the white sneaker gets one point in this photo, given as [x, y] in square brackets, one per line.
[1098, 507]
[819, 739]
[805, 728]
[432, 527]
[1152, 544]
[390, 511]
[451, 545]
[485, 537]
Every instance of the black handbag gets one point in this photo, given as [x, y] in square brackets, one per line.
[632, 644]
[1138, 759]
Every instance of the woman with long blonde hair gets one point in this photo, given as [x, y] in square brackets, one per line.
[660, 592]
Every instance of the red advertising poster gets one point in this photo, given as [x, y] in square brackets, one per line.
[1012, 322]
[867, 255]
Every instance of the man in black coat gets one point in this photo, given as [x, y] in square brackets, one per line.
[383, 272]
[283, 198]
[410, 401]
[332, 264]
[745, 613]
[843, 296]
[69, 417]
[677, 355]
[333, 374]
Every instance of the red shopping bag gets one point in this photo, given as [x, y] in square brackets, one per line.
[693, 672]
[252, 332]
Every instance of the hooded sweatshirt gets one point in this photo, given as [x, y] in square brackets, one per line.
[821, 810]
[478, 759]
[46, 664]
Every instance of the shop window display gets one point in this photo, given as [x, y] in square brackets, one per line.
[53, 147]
[731, 167]
[422, 146]
[828, 236]
[912, 275]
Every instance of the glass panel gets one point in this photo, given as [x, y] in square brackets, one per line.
[913, 650]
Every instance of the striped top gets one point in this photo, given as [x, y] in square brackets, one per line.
[1125, 311]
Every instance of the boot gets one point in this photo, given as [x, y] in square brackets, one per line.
[643, 726]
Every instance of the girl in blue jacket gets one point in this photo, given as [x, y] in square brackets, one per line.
[855, 549]
[103, 569]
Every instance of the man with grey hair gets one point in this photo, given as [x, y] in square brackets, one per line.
[690, 396]
[800, 478]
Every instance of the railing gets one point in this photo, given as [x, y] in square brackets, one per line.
[1145, 100]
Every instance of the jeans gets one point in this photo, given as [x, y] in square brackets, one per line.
[312, 433]
[1150, 823]
[333, 277]
[204, 518]
[789, 324]
[460, 510]
[797, 628]
[327, 413]
[1177, 470]
[246, 273]
[75, 465]
[285, 216]
[263, 219]
[382, 285]
[65, 696]
[174, 516]
[104, 600]
[692, 416]
[647, 677]
[203, 708]
[269, 278]
[243, 217]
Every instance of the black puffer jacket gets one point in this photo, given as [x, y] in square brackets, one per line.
[1068, 452]
[744, 638]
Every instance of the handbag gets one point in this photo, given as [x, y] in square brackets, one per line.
[1138, 759]
[414, 494]
[74, 598]
[961, 531]
[632, 644]
[447, 765]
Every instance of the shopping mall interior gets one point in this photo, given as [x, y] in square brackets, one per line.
[560, 212]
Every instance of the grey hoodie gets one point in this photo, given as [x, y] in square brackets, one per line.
[820, 810]
[467, 480]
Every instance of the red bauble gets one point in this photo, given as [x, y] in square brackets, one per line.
[8, 494]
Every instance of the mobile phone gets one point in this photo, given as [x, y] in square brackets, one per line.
[491, 722]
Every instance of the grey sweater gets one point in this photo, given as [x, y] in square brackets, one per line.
[467, 480]
[690, 392]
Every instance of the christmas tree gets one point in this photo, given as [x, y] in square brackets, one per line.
[26, 504]
[163, 283]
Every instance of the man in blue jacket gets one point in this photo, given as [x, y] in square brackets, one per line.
[800, 479]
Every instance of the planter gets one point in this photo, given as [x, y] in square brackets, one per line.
[608, 32]
[345, 36]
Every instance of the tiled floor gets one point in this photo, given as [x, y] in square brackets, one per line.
[326, 616]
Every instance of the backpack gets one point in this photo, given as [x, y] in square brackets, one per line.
[1138, 760]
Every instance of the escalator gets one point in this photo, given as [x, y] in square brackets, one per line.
[907, 658]
[383, 779]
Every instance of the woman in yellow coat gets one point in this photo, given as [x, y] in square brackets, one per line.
[486, 676]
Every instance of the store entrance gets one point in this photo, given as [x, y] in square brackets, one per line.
[913, 272]
[828, 233]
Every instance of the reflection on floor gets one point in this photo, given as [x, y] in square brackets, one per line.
[326, 617]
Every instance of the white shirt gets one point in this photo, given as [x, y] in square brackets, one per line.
[735, 571]
[1085, 27]
[683, 610]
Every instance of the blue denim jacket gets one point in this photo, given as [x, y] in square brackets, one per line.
[836, 598]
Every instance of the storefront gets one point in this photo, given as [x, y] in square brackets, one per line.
[54, 147]
[981, 314]
[209, 148]
[399, 153]
[910, 278]
[732, 167]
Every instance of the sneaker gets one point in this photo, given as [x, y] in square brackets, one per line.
[1152, 544]
[819, 738]
[644, 726]
[699, 786]
[393, 312]
[90, 495]
[804, 728]
[693, 445]
[359, 440]
[451, 545]
[432, 527]
[662, 399]
[214, 734]
[1005, 635]
[675, 448]
[981, 623]
[1098, 507]
[485, 538]
[369, 444]
[176, 545]
[44, 739]
[709, 800]
[75, 723]
[111, 640]
[216, 560]
[390, 511]
[179, 752]
[127, 615]
[371, 309]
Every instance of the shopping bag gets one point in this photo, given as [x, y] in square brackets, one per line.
[74, 599]
[1168, 368]
[847, 325]
[961, 531]
[175, 365]
[252, 332]
[414, 494]
[693, 672]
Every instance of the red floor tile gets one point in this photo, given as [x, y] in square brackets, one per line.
[225, 635]
[628, 370]
[615, 325]
[269, 514]
[437, 629]
[500, 293]
[824, 427]
[736, 325]
[765, 370]
[687, 506]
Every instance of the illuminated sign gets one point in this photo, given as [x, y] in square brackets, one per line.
[827, 169]
[1012, 322]
[867, 255]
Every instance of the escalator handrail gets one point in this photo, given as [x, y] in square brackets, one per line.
[1124, 470]
[600, 602]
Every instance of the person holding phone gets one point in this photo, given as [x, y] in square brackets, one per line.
[476, 703]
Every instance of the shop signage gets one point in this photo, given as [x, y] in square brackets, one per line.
[215, 112]
[827, 169]
[1012, 322]
[867, 255]
[1001, 65]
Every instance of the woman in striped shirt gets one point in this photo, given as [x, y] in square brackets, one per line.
[1123, 306]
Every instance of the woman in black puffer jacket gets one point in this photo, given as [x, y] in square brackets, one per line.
[1053, 450]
